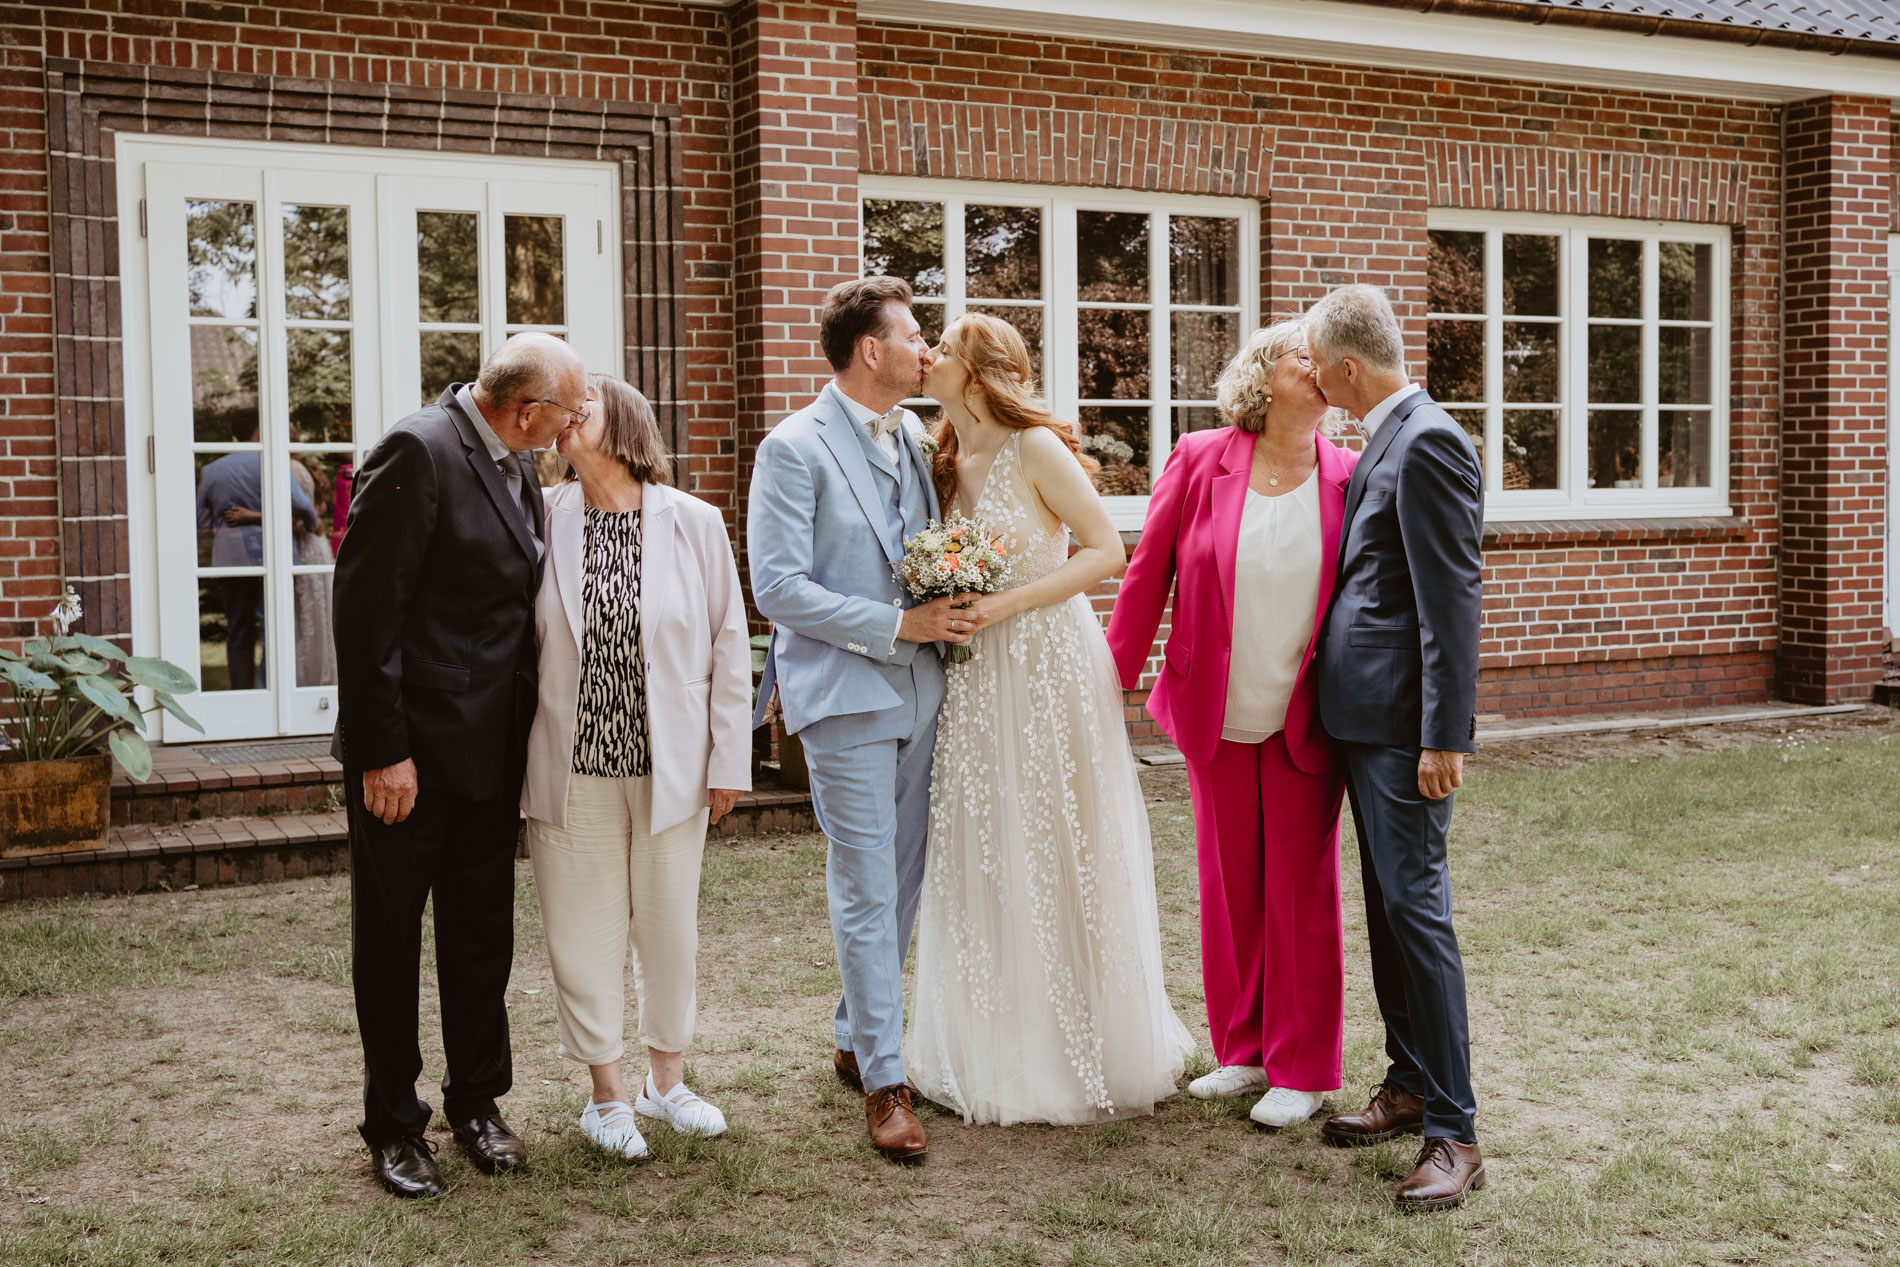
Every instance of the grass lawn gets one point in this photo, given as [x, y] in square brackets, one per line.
[1685, 988]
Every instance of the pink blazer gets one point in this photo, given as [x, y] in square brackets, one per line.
[1192, 533]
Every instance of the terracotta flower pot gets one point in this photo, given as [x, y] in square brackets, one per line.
[55, 806]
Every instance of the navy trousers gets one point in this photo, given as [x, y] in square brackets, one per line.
[1417, 973]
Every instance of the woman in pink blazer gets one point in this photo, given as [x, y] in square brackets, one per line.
[642, 735]
[1243, 526]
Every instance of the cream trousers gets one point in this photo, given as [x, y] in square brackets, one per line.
[604, 881]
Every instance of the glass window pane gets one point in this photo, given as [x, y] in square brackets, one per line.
[230, 509]
[1454, 360]
[1457, 271]
[1204, 260]
[1530, 275]
[1203, 344]
[319, 372]
[1682, 368]
[317, 263]
[1002, 252]
[223, 384]
[1531, 361]
[929, 320]
[231, 633]
[1111, 256]
[1616, 364]
[448, 356]
[314, 477]
[447, 267]
[1472, 420]
[1616, 278]
[1112, 360]
[1685, 275]
[221, 258]
[1530, 448]
[905, 239]
[1195, 418]
[1682, 448]
[1117, 437]
[1616, 448]
[320, 502]
[1028, 323]
[537, 270]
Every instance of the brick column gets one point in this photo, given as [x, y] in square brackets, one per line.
[1838, 199]
[795, 202]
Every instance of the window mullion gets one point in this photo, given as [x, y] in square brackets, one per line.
[1494, 359]
[1652, 340]
[273, 415]
[953, 269]
[1160, 345]
[1575, 306]
[1061, 318]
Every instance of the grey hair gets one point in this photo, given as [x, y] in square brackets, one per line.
[1244, 388]
[1357, 321]
[523, 367]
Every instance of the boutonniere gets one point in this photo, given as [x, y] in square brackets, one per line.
[928, 445]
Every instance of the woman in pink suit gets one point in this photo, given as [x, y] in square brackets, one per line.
[1243, 526]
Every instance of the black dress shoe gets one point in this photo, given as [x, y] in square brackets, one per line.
[490, 1144]
[406, 1166]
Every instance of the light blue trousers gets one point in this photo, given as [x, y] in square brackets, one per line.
[870, 790]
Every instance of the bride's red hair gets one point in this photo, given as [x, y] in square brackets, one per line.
[992, 351]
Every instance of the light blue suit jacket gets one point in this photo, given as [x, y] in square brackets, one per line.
[821, 538]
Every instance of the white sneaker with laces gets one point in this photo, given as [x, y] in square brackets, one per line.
[611, 1126]
[681, 1109]
[1283, 1106]
[1229, 1080]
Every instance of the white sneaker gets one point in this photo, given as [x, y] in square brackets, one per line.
[1284, 1106]
[1229, 1080]
[611, 1126]
[681, 1109]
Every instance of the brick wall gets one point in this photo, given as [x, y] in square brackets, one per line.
[658, 53]
[1347, 161]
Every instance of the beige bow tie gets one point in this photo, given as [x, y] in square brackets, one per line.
[881, 427]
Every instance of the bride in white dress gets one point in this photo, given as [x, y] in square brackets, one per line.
[1039, 994]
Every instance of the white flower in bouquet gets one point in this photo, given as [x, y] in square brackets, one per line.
[956, 555]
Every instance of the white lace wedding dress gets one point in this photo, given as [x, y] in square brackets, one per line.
[1039, 993]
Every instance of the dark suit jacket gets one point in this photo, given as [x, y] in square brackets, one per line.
[434, 610]
[1399, 653]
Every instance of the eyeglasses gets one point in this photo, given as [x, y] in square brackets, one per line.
[1299, 353]
[580, 416]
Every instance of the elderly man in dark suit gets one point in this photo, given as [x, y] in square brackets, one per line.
[1398, 690]
[436, 679]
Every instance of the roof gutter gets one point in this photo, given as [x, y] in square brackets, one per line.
[1542, 13]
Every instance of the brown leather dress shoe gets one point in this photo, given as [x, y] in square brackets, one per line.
[895, 1131]
[845, 1065]
[1391, 1113]
[1445, 1172]
[490, 1144]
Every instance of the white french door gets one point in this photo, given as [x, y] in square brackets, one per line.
[297, 302]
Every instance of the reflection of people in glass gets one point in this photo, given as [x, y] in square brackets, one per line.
[316, 652]
[231, 507]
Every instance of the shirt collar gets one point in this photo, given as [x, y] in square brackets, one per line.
[490, 441]
[1375, 416]
[864, 415]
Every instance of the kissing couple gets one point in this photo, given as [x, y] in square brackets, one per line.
[998, 794]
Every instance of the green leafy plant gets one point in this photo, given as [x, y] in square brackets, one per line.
[75, 694]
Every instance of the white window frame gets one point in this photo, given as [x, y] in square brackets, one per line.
[1573, 498]
[384, 355]
[1060, 272]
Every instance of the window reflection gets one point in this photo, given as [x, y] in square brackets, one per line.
[221, 259]
[905, 239]
[317, 263]
[536, 270]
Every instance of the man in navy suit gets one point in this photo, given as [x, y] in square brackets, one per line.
[1398, 690]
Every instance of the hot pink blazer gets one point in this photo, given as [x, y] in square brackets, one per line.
[1192, 533]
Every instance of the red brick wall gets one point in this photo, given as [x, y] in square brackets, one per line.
[1834, 456]
[667, 53]
[1347, 161]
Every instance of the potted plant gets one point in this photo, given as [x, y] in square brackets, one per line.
[70, 708]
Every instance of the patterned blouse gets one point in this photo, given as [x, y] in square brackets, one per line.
[610, 740]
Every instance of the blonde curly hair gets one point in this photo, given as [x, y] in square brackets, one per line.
[1244, 389]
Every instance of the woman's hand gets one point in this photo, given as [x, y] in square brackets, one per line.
[989, 609]
[720, 801]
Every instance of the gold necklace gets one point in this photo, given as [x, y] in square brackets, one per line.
[1273, 478]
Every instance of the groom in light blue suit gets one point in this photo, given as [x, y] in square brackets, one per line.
[837, 488]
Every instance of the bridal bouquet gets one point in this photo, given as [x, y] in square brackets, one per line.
[954, 556]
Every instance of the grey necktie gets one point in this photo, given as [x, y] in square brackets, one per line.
[510, 468]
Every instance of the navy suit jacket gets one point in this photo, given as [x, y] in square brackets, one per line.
[1399, 651]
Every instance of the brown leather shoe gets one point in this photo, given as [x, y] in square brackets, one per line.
[1391, 1113]
[845, 1065]
[1446, 1170]
[895, 1131]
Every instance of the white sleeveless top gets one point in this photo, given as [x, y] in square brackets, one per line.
[1276, 595]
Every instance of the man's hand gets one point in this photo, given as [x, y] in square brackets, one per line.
[390, 793]
[938, 620]
[720, 801]
[1439, 773]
